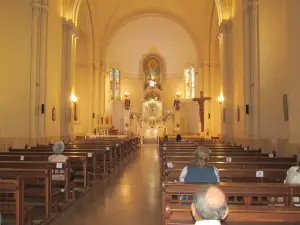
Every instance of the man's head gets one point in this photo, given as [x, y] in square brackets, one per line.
[209, 204]
[58, 147]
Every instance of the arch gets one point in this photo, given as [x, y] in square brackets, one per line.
[224, 8]
[137, 15]
[74, 9]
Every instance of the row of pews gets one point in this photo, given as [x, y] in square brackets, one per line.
[251, 179]
[29, 195]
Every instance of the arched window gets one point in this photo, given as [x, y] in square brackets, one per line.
[114, 81]
[189, 79]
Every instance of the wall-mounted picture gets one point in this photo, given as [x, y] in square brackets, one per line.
[285, 107]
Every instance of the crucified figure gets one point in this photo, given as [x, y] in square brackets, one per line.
[201, 101]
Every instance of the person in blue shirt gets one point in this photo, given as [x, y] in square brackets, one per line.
[199, 171]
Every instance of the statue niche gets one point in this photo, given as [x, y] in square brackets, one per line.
[152, 106]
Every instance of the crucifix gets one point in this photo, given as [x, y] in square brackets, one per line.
[201, 101]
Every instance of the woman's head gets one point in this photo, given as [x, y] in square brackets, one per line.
[58, 147]
[201, 156]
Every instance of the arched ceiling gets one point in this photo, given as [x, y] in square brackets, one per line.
[193, 15]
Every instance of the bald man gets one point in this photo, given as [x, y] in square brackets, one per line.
[209, 206]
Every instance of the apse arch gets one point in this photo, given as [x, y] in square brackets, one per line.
[151, 34]
[110, 34]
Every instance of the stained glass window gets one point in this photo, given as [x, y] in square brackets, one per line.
[111, 83]
[114, 80]
[187, 83]
[189, 79]
[192, 75]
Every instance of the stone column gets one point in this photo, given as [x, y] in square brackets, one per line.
[68, 78]
[96, 93]
[252, 76]
[225, 38]
[102, 90]
[34, 70]
[42, 73]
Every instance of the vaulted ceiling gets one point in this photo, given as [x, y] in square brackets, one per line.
[198, 17]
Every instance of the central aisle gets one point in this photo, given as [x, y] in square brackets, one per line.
[129, 196]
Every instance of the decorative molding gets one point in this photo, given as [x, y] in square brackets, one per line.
[250, 5]
[141, 76]
[210, 64]
[68, 24]
[224, 27]
[36, 5]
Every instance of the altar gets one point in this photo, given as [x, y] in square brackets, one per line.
[152, 133]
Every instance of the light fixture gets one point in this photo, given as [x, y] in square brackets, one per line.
[221, 99]
[73, 98]
[178, 94]
[126, 94]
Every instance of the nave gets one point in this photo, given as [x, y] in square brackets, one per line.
[131, 195]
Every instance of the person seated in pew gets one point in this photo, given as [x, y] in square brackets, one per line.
[209, 205]
[293, 176]
[178, 138]
[199, 171]
[166, 138]
[58, 149]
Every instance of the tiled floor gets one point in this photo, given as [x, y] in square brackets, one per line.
[129, 196]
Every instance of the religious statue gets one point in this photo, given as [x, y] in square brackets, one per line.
[176, 105]
[201, 101]
[127, 104]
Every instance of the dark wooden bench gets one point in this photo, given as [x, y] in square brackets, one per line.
[238, 175]
[12, 201]
[177, 211]
[77, 163]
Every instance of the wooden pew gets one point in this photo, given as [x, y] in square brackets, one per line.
[76, 163]
[33, 176]
[15, 204]
[44, 165]
[238, 175]
[232, 159]
[96, 160]
[177, 211]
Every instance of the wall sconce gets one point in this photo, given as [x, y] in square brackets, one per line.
[73, 98]
[221, 99]
[178, 94]
[75, 107]
[126, 94]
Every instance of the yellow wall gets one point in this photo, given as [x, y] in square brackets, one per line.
[15, 70]
[15, 56]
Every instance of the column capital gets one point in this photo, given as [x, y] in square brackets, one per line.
[224, 27]
[37, 5]
[250, 5]
[209, 64]
[68, 24]
[97, 64]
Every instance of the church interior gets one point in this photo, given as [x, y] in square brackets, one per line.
[120, 75]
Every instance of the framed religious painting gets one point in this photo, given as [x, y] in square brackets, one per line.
[238, 114]
[285, 107]
[53, 114]
[152, 71]
[224, 115]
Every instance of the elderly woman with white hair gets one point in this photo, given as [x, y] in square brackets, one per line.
[58, 157]
[58, 149]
